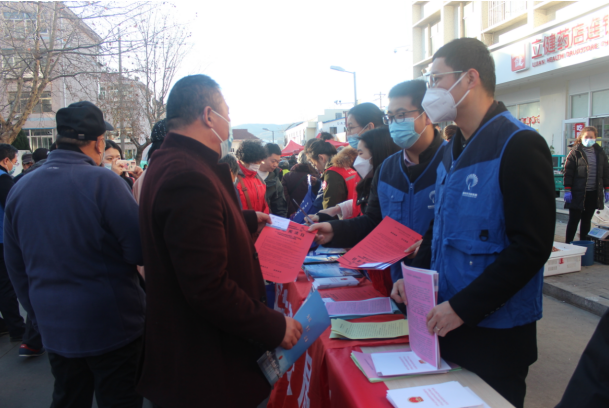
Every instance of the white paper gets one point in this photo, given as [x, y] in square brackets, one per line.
[279, 222]
[446, 395]
[484, 404]
[404, 363]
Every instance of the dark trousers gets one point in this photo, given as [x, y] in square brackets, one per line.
[589, 386]
[585, 216]
[111, 377]
[31, 337]
[501, 357]
[9, 306]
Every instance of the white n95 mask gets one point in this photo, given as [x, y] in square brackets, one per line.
[440, 105]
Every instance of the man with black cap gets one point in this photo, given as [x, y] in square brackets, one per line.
[73, 264]
[33, 161]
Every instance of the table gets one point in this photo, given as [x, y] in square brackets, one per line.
[325, 376]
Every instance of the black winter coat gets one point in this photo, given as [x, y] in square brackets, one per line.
[295, 185]
[275, 195]
[576, 176]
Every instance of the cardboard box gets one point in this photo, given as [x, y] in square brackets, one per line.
[568, 259]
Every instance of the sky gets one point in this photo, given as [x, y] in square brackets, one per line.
[272, 58]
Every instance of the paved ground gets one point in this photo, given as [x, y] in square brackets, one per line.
[563, 334]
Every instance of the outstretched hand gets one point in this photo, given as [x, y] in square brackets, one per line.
[324, 232]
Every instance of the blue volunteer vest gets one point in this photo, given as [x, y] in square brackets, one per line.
[469, 227]
[411, 204]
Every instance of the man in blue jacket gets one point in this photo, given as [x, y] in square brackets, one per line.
[493, 227]
[403, 186]
[72, 260]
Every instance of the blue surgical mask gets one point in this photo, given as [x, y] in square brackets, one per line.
[354, 139]
[11, 171]
[588, 142]
[403, 134]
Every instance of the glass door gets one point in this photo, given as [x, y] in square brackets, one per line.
[571, 128]
[602, 125]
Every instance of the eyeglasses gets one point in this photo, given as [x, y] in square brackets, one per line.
[433, 79]
[399, 118]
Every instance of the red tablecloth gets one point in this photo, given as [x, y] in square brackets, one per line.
[325, 376]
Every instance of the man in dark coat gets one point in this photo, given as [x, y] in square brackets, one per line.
[207, 319]
[271, 174]
[296, 186]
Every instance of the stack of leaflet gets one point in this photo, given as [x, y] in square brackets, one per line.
[404, 363]
[359, 308]
[448, 395]
[321, 250]
[314, 319]
[342, 329]
[328, 270]
[320, 259]
[364, 362]
[383, 247]
[329, 283]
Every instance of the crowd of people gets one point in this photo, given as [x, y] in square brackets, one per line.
[147, 283]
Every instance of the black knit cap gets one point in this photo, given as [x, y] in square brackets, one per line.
[82, 121]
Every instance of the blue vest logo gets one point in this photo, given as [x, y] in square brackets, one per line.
[432, 197]
[471, 181]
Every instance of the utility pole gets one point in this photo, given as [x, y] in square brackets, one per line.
[120, 92]
[380, 95]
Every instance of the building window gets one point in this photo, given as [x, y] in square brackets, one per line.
[579, 106]
[527, 113]
[469, 20]
[18, 24]
[338, 115]
[499, 11]
[333, 130]
[600, 103]
[43, 105]
[39, 138]
[435, 40]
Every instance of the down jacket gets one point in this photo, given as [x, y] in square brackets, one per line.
[252, 190]
[576, 176]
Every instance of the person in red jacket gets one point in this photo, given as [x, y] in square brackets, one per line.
[252, 190]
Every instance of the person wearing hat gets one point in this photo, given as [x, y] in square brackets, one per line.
[73, 264]
[37, 160]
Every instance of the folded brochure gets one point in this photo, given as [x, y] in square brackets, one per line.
[447, 395]
[342, 329]
[315, 320]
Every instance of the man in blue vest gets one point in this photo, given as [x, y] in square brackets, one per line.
[493, 226]
[403, 185]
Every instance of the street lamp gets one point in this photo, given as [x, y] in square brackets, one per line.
[335, 68]
[272, 131]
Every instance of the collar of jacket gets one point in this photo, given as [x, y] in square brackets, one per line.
[69, 156]
[245, 172]
[191, 146]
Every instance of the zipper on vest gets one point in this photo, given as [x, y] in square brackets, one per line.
[410, 197]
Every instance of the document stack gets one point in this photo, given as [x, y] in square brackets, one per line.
[447, 395]
[342, 329]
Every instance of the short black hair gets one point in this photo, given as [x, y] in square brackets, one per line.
[112, 145]
[321, 147]
[272, 148]
[6, 150]
[365, 113]
[327, 136]
[40, 154]
[450, 131]
[414, 89]
[251, 151]
[157, 135]
[463, 54]
[188, 99]
[232, 163]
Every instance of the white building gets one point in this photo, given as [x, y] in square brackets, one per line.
[550, 58]
[239, 135]
[336, 127]
[300, 132]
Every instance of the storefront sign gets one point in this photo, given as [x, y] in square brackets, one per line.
[571, 40]
[575, 42]
[577, 128]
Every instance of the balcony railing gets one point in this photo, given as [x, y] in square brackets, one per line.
[499, 11]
